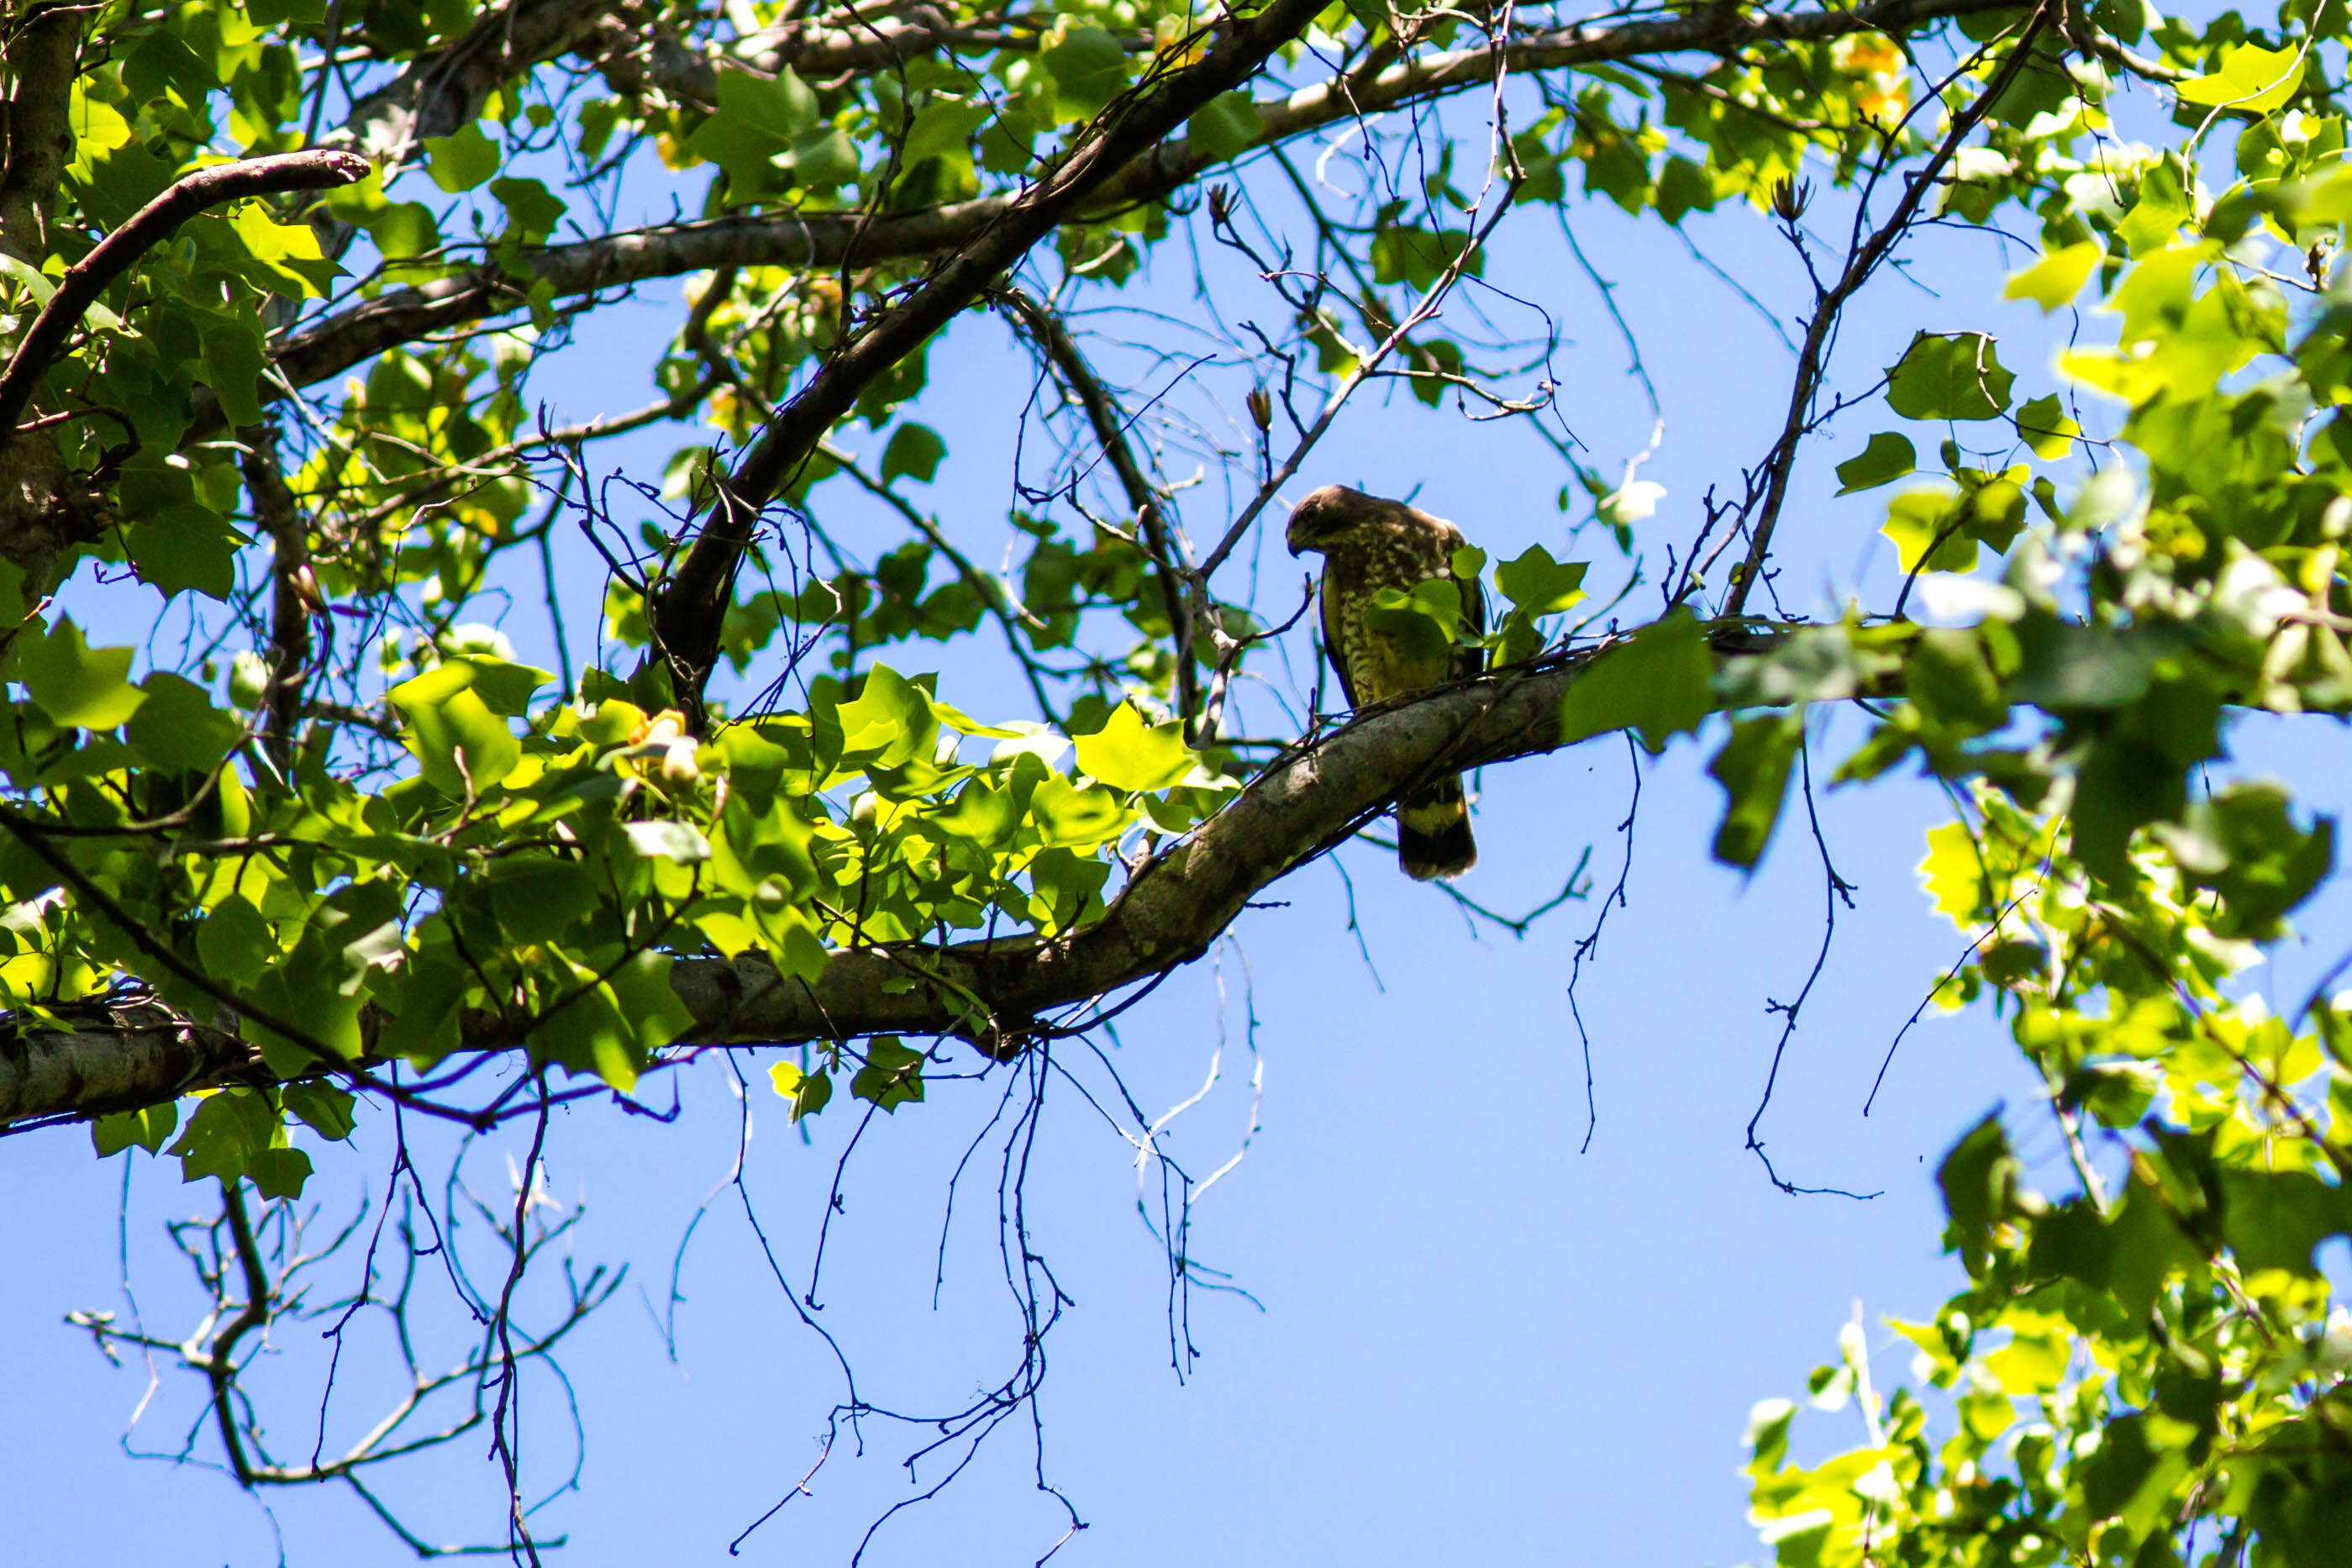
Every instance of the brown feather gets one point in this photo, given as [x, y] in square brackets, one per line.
[1368, 544]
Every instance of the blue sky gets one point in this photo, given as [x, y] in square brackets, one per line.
[1466, 1337]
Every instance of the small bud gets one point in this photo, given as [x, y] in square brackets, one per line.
[1790, 199]
[304, 583]
[1261, 408]
[248, 681]
[666, 725]
[1221, 204]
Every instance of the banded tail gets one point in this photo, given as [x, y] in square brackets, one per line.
[1434, 833]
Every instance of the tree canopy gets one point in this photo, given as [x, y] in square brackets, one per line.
[296, 294]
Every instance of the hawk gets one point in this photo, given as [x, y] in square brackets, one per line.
[1369, 544]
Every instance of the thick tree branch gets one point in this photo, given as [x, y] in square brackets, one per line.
[824, 241]
[43, 57]
[147, 228]
[90, 1059]
[294, 590]
[1171, 910]
[444, 93]
[640, 62]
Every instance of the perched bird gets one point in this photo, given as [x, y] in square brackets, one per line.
[1369, 544]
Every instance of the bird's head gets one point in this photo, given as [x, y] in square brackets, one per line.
[1323, 516]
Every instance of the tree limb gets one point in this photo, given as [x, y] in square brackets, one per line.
[147, 228]
[637, 61]
[294, 591]
[43, 55]
[1171, 910]
[443, 92]
[823, 241]
[90, 1059]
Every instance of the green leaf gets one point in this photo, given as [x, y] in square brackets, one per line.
[178, 728]
[74, 683]
[1089, 70]
[281, 257]
[403, 229]
[463, 160]
[307, 990]
[1948, 676]
[185, 548]
[234, 942]
[824, 158]
[2241, 843]
[2054, 280]
[1978, 1178]
[648, 1001]
[781, 107]
[1418, 257]
[941, 127]
[1226, 127]
[1539, 584]
[808, 1091]
[1888, 456]
[233, 364]
[914, 450]
[1683, 189]
[1753, 768]
[1927, 532]
[581, 1028]
[504, 686]
[2068, 665]
[2273, 1219]
[2252, 80]
[1954, 375]
[464, 746]
[270, 13]
[889, 724]
[539, 899]
[1007, 144]
[892, 1076]
[323, 1107]
[679, 841]
[279, 1173]
[229, 1131]
[149, 1127]
[1659, 684]
[1128, 754]
[1066, 815]
[532, 210]
[2042, 425]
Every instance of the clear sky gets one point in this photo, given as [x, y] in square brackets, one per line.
[1467, 1337]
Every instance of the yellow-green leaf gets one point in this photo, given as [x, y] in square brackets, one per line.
[1128, 754]
[2057, 278]
[2254, 80]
